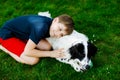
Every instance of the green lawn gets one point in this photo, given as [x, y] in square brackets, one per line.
[98, 19]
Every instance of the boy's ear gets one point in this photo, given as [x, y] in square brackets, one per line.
[56, 19]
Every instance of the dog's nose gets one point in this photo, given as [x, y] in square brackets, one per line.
[87, 67]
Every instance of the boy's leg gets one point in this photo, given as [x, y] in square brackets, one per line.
[12, 55]
[44, 45]
[23, 59]
[14, 47]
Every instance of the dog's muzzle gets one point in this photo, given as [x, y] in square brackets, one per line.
[80, 67]
[77, 64]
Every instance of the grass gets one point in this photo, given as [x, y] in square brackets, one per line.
[98, 19]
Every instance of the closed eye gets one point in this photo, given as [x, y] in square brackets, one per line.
[81, 56]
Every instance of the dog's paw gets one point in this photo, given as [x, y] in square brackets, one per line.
[63, 60]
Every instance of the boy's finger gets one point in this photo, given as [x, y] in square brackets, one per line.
[62, 49]
[62, 55]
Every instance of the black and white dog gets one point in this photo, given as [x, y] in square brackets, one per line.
[78, 50]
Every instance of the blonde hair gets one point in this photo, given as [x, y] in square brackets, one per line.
[67, 21]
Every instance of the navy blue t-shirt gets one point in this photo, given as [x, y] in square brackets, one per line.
[32, 27]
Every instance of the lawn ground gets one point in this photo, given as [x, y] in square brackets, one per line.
[98, 19]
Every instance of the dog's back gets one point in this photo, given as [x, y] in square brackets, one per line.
[67, 41]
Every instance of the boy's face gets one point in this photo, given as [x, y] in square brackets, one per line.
[58, 29]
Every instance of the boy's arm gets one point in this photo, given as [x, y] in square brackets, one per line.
[30, 50]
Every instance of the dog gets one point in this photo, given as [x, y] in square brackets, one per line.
[77, 48]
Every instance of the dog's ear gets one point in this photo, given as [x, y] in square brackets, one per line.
[92, 49]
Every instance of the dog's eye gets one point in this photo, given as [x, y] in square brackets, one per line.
[81, 56]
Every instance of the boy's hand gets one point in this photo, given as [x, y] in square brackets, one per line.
[57, 53]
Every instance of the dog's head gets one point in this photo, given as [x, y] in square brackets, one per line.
[81, 54]
[78, 51]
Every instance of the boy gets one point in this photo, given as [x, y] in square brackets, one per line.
[30, 32]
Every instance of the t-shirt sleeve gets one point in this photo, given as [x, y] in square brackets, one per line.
[38, 33]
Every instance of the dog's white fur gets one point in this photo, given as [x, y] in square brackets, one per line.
[68, 41]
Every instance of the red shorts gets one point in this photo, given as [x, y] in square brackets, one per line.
[14, 45]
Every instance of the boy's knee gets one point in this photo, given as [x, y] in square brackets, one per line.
[44, 45]
[48, 48]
